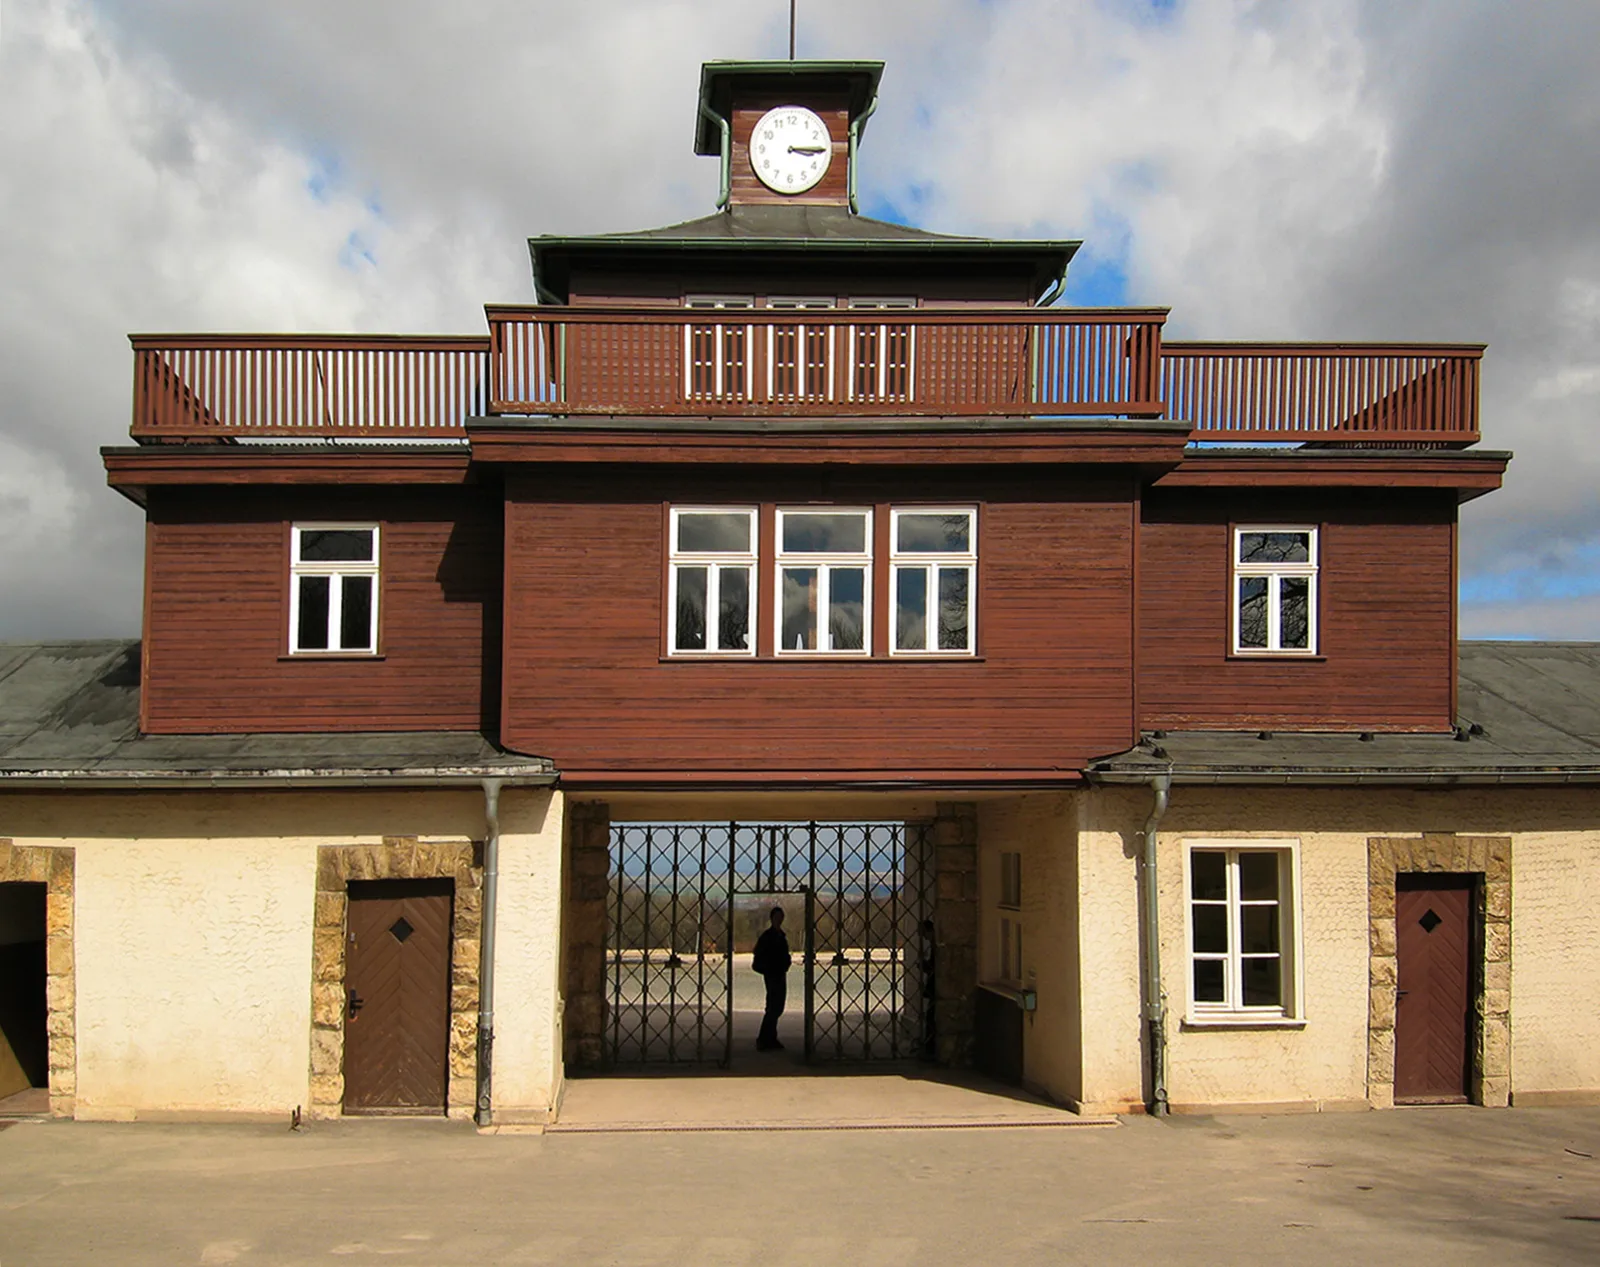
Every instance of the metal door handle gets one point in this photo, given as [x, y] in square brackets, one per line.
[356, 1004]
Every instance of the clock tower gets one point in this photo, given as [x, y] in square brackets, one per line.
[786, 132]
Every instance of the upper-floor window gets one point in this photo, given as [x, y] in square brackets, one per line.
[824, 564]
[728, 357]
[883, 354]
[333, 588]
[935, 557]
[1275, 589]
[716, 353]
[711, 585]
[1242, 929]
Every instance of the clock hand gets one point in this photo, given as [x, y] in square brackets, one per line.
[807, 149]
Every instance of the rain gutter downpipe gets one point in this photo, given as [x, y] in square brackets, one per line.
[1155, 1006]
[726, 191]
[857, 125]
[491, 887]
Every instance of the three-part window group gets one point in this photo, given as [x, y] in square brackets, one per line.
[823, 562]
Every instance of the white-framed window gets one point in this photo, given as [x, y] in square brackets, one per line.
[824, 575]
[333, 588]
[933, 563]
[711, 580]
[1244, 928]
[883, 354]
[1275, 590]
[716, 354]
[800, 356]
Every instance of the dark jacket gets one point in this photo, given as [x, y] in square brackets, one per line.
[772, 952]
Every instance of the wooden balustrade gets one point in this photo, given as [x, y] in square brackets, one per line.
[752, 362]
[212, 387]
[1327, 393]
[818, 363]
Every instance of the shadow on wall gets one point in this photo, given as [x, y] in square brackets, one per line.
[24, 1055]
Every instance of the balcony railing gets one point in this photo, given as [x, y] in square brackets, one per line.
[813, 363]
[754, 362]
[1324, 393]
[213, 387]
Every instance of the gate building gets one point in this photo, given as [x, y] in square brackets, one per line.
[1089, 703]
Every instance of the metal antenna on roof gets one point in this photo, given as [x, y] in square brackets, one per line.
[791, 30]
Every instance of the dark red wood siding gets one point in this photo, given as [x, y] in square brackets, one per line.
[1387, 593]
[216, 626]
[585, 681]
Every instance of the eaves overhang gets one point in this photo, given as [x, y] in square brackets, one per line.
[1469, 473]
[857, 81]
[1149, 446]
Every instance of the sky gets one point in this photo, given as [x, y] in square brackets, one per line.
[1343, 170]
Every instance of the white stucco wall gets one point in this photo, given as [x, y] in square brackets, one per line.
[1555, 965]
[193, 933]
[527, 1023]
[194, 962]
[1043, 828]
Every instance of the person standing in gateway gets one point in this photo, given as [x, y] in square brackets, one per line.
[771, 960]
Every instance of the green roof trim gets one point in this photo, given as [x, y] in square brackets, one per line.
[717, 81]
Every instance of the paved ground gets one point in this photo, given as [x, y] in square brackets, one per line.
[1413, 1187]
[764, 1095]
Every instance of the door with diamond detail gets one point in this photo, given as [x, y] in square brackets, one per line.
[397, 996]
[1433, 1002]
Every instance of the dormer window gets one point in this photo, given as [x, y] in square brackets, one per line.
[333, 589]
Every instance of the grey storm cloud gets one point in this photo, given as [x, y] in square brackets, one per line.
[1272, 170]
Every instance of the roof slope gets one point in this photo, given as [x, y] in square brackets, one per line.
[1529, 712]
[69, 713]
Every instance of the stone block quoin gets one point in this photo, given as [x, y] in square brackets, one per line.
[1490, 858]
[395, 858]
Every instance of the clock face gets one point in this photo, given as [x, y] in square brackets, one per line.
[790, 149]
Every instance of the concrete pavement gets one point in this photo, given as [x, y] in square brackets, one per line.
[1458, 1186]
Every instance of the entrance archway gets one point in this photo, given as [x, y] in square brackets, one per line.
[678, 938]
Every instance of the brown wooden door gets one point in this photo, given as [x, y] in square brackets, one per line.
[1433, 944]
[397, 996]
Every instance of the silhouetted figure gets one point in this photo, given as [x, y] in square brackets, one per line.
[771, 960]
[930, 991]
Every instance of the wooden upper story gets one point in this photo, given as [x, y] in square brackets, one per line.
[786, 494]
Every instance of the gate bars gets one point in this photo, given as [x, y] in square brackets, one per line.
[670, 959]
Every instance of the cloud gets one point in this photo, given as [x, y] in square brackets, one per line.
[1274, 169]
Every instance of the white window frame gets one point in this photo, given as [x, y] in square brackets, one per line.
[713, 561]
[867, 303]
[800, 303]
[931, 562]
[1232, 1011]
[824, 563]
[1275, 574]
[719, 303]
[335, 570]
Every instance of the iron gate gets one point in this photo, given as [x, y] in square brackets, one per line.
[671, 952]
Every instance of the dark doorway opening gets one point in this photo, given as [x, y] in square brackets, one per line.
[1436, 936]
[397, 996]
[24, 1048]
[687, 901]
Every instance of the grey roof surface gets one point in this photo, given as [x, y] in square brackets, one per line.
[786, 223]
[1530, 712]
[813, 231]
[69, 713]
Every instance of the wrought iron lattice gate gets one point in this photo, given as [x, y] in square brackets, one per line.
[676, 942]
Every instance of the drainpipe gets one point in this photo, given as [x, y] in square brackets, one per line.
[1155, 1007]
[857, 125]
[727, 154]
[491, 887]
